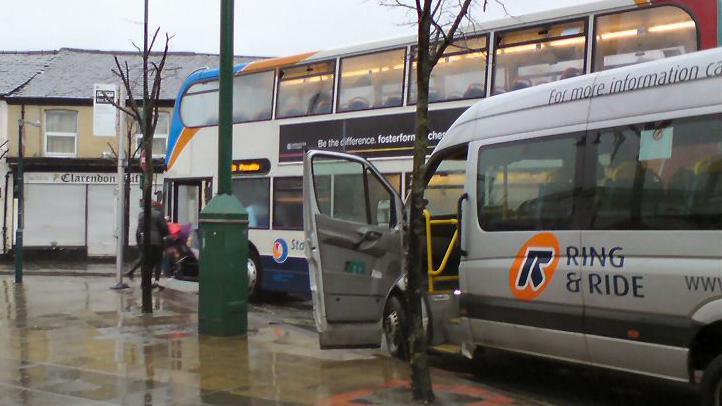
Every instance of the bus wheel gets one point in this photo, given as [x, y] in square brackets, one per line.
[393, 325]
[254, 276]
[712, 383]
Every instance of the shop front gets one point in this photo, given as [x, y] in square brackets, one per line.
[73, 211]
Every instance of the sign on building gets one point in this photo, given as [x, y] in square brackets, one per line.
[104, 114]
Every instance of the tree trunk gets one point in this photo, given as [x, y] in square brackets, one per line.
[420, 375]
[147, 265]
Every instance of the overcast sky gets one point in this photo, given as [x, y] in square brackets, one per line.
[263, 27]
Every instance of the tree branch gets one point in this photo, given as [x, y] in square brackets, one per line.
[152, 41]
[449, 35]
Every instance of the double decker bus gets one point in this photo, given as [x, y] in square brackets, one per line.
[361, 100]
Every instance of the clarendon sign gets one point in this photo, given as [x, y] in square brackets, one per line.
[92, 178]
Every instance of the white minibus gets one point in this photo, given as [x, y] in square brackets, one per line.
[579, 220]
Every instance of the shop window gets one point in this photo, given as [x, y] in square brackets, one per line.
[199, 105]
[253, 96]
[160, 136]
[659, 176]
[372, 81]
[288, 203]
[642, 35]
[61, 133]
[528, 185]
[305, 90]
[459, 74]
[254, 195]
[543, 54]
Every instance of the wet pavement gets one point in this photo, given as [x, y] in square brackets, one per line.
[72, 341]
[64, 268]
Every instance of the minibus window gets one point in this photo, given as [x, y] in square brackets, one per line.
[459, 74]
[642, 35]
[254, 194]
[346, 190]
[659, 176]
[528, 185]
[533, 56]
[372, 81]
[445, 187]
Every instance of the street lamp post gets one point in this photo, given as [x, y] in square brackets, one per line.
[223, 284]
[20, 182]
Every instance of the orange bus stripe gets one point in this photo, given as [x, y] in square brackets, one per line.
[264, 64]
[183, 140]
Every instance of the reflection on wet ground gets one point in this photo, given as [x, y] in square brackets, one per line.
[72, 341]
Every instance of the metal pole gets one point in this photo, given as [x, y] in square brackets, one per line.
[223, 277]
[225, 109]
[120, 128]
[20, 181]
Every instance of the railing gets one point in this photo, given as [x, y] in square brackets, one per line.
[435, 275]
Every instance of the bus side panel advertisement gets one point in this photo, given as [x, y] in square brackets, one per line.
[377, 136]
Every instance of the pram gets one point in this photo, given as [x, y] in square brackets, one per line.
[183, 261]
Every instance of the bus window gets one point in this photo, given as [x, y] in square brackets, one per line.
[252, 97]
[659, 176]
[533, 56]
[288, 203]
[372, 81]
[459, 74]
[305, 90]
[199, 105]
[254, 195]
[528, 185]
[642, 35]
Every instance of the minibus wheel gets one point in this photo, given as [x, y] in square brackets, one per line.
[394, 325]
[712, 383]
[254, 276]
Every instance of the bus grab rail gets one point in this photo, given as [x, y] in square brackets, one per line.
[436, 273]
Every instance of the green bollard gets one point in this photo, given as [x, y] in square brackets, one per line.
[223, 279]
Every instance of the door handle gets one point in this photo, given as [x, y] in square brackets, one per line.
[369, 235]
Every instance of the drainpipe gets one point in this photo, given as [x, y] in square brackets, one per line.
[5, 214]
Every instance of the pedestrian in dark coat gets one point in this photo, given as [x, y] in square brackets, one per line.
[158, 232]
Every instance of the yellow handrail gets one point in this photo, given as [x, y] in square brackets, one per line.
[434, 273]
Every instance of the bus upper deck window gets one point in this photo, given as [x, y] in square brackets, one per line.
[537, 55]
[305, 90]
[199, 105]
[372, 81]
[642, 35]
[459, 74]
[253, 96]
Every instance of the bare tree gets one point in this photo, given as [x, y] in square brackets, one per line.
[146, 115]
[438, 24]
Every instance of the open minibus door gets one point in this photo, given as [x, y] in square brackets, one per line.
[352, 225]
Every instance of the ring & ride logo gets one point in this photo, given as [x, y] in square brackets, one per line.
[534, 267]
